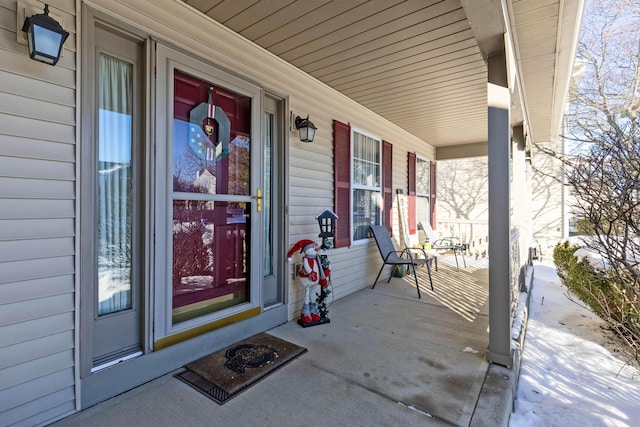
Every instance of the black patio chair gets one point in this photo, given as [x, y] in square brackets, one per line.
[390, 256]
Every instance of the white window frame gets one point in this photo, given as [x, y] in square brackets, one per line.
[355, 186]
[423, 195]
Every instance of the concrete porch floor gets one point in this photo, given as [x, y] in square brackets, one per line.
[386, 358]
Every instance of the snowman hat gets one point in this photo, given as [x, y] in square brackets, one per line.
[302, 245]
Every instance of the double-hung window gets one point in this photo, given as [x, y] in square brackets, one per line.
[423, 190]
[421, 187]
[362, 172]
[366, 166]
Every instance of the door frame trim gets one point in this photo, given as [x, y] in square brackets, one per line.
[92, 388]
[86, 154]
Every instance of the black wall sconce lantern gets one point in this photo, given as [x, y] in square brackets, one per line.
[306, 127]
[45, 37]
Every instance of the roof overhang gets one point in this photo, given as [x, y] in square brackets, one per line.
[423, 64]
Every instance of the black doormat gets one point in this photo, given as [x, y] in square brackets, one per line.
[225, 373]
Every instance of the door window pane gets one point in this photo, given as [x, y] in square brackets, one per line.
[115, 207]
[211, 161]
[209, 257]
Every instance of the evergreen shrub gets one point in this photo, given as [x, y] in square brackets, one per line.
[602, 292]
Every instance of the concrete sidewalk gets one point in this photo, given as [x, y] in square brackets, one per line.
[386, 358]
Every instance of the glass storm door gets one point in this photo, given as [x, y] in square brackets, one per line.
[211, 198]
[208, 169]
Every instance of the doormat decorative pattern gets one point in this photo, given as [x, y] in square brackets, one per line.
[225, 373]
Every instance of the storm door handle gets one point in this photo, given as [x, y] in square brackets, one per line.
[258, 198]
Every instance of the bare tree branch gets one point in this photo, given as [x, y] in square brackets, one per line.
[603, 168]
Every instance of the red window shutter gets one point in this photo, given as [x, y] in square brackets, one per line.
[432, 190]
[411, 190]
[342, 182]
[387, 192]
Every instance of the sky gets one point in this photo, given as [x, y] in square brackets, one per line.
[571, 375]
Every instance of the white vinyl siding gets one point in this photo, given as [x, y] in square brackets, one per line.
[37, 227]
[52, 227]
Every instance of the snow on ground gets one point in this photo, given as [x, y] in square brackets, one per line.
[571, 374]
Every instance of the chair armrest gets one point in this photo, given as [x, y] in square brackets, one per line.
[398, 253]
[418, 261]
[408, 253]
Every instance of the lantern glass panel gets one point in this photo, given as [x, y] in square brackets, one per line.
[47, 42]
[306, 134]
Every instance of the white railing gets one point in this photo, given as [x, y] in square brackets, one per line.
[474, 233]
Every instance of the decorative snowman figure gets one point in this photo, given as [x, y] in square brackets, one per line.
[311, 274]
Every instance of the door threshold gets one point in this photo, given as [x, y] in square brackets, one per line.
[116, 361]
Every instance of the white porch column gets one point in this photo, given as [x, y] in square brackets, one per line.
[499, 103]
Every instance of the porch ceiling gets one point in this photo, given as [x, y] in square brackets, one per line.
[419, 63]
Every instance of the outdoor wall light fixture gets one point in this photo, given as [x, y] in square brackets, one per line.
[45, 37]
[307, 129]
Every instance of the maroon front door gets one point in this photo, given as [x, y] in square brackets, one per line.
[211, 180]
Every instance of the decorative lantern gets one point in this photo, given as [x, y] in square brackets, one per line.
[45, 37]
[327, 222]
[306, 127]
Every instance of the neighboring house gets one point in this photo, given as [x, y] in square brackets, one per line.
[112, 276]
[549, 202]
